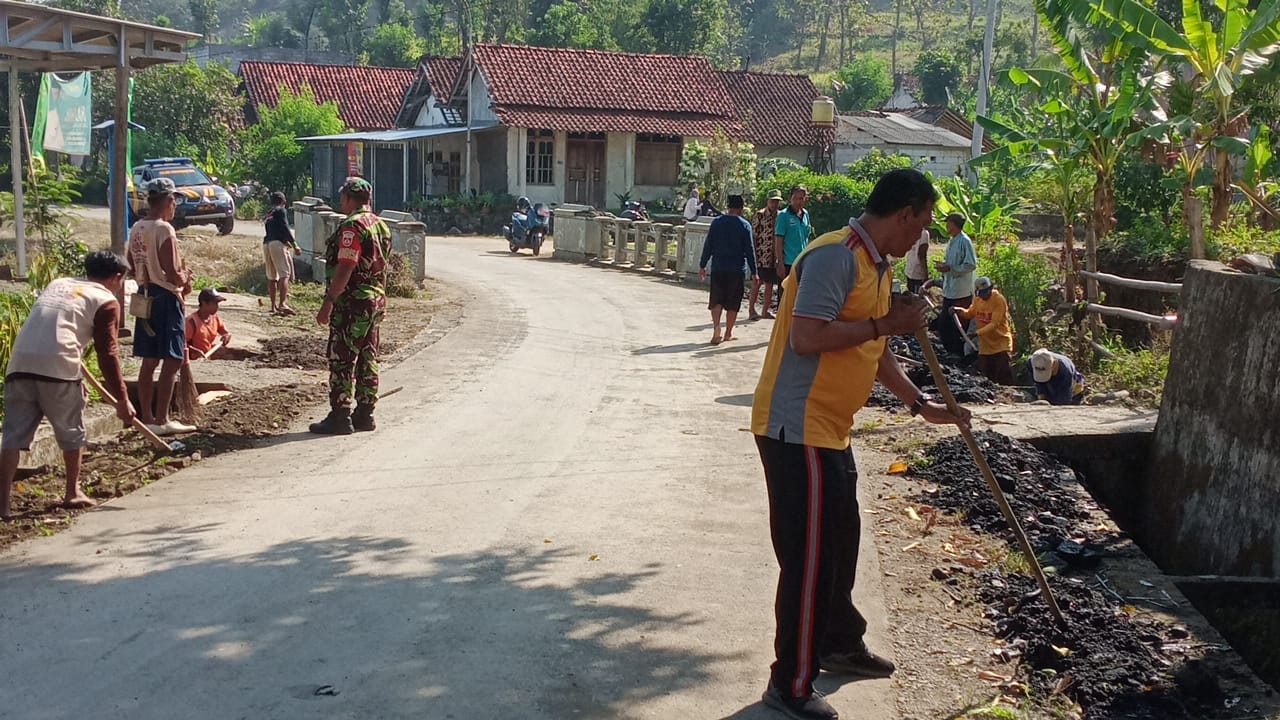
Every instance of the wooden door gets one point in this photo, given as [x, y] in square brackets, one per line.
[585, 172]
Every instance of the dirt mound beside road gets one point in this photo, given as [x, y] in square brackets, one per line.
[305, 352]
[1110, 659]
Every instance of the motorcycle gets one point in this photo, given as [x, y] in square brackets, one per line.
[529, 226]
[635, 211]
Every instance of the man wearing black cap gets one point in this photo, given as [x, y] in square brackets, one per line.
[729, 248]
[204, 327]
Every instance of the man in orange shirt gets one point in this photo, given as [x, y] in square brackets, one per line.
[995, 336]
[204, 326]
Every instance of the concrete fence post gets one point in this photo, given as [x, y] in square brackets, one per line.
[640, 231]
[695, 236]
[624, 237]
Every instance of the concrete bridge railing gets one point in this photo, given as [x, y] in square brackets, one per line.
[314, 223]
[639, 245]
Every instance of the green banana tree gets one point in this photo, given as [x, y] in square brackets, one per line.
[1255, 177]
[1061, 163]
[1090, 104]
[1218, 56]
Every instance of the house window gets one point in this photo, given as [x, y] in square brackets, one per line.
[657, 159]
[540, 157]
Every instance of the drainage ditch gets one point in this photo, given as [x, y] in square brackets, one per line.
[1244, 610]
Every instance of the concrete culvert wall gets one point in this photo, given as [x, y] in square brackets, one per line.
[1215, 482]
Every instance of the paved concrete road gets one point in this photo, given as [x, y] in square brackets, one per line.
[561, 516]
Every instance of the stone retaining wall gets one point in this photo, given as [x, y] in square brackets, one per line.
[1215, 471]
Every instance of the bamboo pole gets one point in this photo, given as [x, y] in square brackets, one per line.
[940, 380]
[1152, 285]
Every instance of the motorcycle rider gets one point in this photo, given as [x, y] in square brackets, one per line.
[635, 211]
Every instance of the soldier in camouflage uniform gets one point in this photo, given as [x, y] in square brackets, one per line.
[356, 261]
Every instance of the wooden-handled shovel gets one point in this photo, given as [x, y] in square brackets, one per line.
[941, 381]
[168, 447]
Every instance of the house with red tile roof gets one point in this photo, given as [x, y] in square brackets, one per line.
[564, 125]
[367, 97]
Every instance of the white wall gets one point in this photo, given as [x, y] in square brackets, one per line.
[798, 153]
[516, 160]
[941, 161]
[430, 115]
[481, 104]
[620, 168]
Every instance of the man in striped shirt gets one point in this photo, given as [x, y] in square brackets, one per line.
[827, 349]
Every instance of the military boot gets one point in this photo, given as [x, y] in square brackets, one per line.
[362, 418]
[337, 422]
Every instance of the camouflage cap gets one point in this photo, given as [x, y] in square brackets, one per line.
[356, 184]
[160, 186]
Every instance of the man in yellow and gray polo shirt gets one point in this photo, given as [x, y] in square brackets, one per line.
[827, 349]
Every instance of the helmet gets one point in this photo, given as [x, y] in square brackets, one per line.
[522, 202]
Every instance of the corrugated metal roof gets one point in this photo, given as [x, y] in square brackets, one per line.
[897, 129]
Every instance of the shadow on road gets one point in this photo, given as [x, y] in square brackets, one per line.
[682, 347]
[744, 400]
[730, 347]
[489, 634]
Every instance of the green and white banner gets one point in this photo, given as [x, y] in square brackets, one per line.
[64, 114]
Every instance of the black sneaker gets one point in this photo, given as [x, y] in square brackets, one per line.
[860, 662]
[810, 707]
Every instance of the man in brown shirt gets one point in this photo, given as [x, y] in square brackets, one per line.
[762, 227]
[42, 379]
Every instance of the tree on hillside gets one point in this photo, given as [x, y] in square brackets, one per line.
[272, 154]
[940, 74]
[185, 108]
[271, 30]
[685, 27]
[862, 84]
[393, 45]
[204, 17]
[567, 25]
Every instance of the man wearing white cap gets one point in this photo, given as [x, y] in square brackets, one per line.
[1056, 378]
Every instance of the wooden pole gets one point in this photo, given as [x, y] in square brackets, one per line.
[1164, 287]
[15, 167]
[31, 171]
[119, 164]
[940, 380]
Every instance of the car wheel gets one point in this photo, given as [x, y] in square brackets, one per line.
[226, 226]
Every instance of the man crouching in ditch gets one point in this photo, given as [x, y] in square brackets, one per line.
[42, 379]
[354, 303]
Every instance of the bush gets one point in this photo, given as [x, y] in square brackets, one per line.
[1021, 279]
[871, 166]
[400, 282]
[464, 202]
[60, 258]
[1141, 372]
[251, 209]
[14, 307]
[833, 199]
[1149, 240]
[1238, 240]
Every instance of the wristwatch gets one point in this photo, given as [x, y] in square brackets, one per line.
[918, 405]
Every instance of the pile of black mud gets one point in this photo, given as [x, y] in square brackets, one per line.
[967, 385]
[1043, 492]
[1114, 664]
